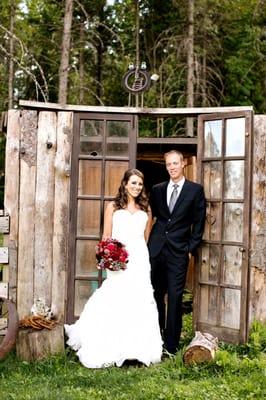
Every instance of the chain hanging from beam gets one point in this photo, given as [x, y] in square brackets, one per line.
[137, 79]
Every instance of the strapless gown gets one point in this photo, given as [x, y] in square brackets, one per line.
[120, 320]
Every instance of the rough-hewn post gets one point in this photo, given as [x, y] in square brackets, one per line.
[257, 295]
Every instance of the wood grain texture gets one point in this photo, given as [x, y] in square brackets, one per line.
[27, 188]
[61, 212]
[44, 206]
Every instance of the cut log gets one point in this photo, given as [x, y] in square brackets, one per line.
[39, 344]
[201, 349]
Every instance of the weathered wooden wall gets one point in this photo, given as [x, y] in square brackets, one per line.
[37, 190]
[38, 153]
[257, 282]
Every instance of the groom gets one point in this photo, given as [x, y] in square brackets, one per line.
[179, 208]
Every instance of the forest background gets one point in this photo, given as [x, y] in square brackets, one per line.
[205, 52]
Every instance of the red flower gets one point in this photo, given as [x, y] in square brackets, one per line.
[111, 254]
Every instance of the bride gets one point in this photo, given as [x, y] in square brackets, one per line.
[120, 320]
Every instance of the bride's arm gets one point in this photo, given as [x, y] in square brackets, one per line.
[108, 216]
[148, 225]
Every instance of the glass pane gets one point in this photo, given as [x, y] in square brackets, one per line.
[235, 137]
[230, 310]
[210, 263]
[213, 179]
[114, 171]
[85, 258]
[212, 138]
[213, 222]
[83, 290]
[89, 177]
[208, 304]
[232, 265]
[234, 179]
[233, 222]
[91, 137]
[88, 220]
[117, 138]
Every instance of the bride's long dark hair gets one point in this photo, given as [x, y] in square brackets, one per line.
[121, 199]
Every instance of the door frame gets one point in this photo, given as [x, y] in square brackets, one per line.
[99, 113]
[227, 334]
[74, 197]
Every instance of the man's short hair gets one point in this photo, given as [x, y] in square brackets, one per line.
[174, 152]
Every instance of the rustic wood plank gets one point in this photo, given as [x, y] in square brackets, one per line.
[257, 305]
[133, 110]
[61, 210]
[3, 255]
[4, 290]
[4, 224]
[11, 197]
[44, 205]
[258, 234]
[26, 211]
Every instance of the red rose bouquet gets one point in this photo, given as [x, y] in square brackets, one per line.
[111, 254]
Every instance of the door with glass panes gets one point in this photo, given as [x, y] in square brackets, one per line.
[224, 157]
[104, 146]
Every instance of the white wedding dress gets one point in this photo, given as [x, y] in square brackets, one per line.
[120, 320]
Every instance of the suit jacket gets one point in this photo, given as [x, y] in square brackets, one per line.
[182, 230]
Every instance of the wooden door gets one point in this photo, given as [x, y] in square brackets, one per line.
[224, 158]
[104, 146]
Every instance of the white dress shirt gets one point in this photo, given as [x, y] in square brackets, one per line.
[170, 188]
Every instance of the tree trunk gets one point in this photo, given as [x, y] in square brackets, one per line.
[64, 63]
[190, 65]
[81, 63]
[100, 51]
[11, 51]
[204, 77]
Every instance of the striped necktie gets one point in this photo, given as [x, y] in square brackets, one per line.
[173, 197]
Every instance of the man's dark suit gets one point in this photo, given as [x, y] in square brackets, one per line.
[172, 238]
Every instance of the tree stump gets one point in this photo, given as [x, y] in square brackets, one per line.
[201, 349]
[38, 344]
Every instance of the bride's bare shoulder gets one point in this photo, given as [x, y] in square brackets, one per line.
[110, 205]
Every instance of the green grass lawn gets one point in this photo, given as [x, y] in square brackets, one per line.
[238, 372]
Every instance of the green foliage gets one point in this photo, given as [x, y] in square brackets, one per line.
[257, 339]
[229, 51]
[232, 375]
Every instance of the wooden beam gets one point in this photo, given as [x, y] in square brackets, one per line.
[193, 111]
[166, 140]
